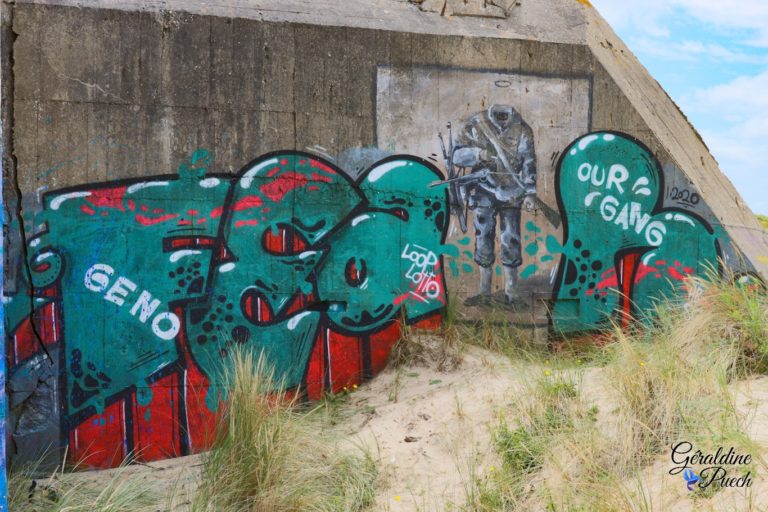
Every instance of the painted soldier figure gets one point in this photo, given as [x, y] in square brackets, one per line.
[497, 146]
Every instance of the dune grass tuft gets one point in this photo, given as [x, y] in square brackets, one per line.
[60, 492]
[271, 455]
[441, 349]
[667, 380]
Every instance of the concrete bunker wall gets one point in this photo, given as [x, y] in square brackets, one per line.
[190, 183]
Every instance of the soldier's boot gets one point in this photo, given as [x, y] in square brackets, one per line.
[486, 278]
[510, 284]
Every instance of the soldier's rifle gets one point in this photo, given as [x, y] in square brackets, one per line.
[481, 176]
[457, 202]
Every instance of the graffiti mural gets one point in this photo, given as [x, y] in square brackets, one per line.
[492, 172]
[130, 295]
[495, 135]
[622, 248]
[141, 288]
[497, 147]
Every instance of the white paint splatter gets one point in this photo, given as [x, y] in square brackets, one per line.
[248, 177]
[56, 203]
[381, 170]
[641, 181]
[683, 218]
[176, 256]
[138, 186]
[226, 267]
[360, 218]
[590, 197]
[586, 141]
[293, 322]
[44, 256]
[210, 182]
[648, 258]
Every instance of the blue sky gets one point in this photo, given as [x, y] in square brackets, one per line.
[712, 58]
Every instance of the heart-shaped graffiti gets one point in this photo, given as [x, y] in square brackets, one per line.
[622, 249]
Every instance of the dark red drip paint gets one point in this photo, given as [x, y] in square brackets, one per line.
[99, 441]
[256, 308]
[353, 274]
[190, 242]
[24, 342]
[627, 268]
[284, 240]
[156, 427]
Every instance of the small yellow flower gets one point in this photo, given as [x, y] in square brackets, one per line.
[354, 386]
[642, 363]
[547, 373]
[578, 361]
[492, 468]
[397, 497]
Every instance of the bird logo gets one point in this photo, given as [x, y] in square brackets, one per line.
[690, 478]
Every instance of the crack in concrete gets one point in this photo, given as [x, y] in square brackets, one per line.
[11, 170]
[61, 74]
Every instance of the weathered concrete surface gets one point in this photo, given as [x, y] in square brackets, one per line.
[169, 82]
[553, 21]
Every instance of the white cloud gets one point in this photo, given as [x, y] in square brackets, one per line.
[745, 14]
[732, 116]
[650, 16]
[743, 160]
[693, 51]
[741, 95]
[641, 15]
[738, 140]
